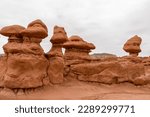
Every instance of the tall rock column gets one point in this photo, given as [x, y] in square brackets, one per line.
[12, 48]
[55, 55]
[26, 61]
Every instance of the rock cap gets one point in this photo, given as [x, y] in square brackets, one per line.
[59, 35]
[36, 29]
[38, 21]
[133, 45]
[78, 42]
[12, 30]
[36, 32]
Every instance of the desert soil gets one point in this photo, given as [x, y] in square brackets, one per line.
[77, 90]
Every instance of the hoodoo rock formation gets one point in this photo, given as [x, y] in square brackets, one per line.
[55, 55]
[33, 35]
[132, 46]
[26, 66]
[76, 51]
[14, 38]
[77, 48]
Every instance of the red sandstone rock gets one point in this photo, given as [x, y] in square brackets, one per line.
[35, 24]
[32, 48]
[133, 46]
[55, 55]
[58, 38]
[108, 72]
[36, 31]
[8, 93]
[25, 71]
[146, 61]
[12, 47]
[2, 70]
[56, 70]
[76, 47]
[26, 68]
[32, 36]
[59, 35]
[15, 37]
[78, 43]
[26, 65]
[11, 31]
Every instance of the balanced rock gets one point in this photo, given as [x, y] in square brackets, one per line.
[132, 46]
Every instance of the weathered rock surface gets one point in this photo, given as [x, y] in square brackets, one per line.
[132, 46]
[26, 65]
[55, 55]
[25, 68]
[7, 92]
[2, 70]
[36, 31]
[25, 71]
[108, 71]
[77, 48]
[56, 69]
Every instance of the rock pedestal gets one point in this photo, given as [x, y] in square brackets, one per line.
[132, 46]
[14, 38]
[55, 56]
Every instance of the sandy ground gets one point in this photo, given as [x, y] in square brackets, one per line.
[77, 90]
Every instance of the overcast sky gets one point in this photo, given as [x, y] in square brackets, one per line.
[105, 23]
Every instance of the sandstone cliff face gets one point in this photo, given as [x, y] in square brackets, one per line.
[25, 71]
[108, 72]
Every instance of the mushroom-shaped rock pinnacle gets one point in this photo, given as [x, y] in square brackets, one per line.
[36, 32]
[12, 30]
[59, 35]
[58, 29]
[79, 43]
[36, 29]
[133, 45]
[37, 23]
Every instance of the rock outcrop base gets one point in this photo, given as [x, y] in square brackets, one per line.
[25, 67]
